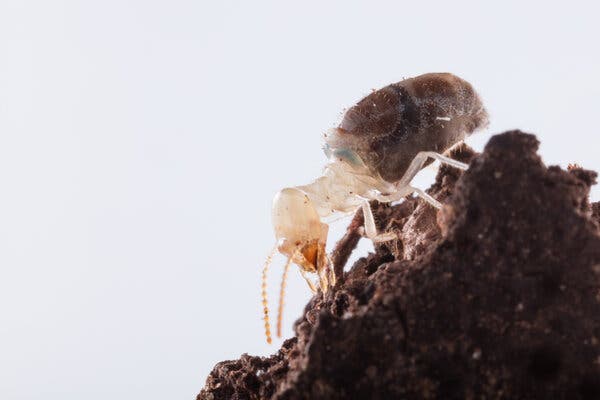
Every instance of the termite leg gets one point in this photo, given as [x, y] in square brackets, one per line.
[311, 285]
[264, 294]
[415, 166]
[447, 160]
[371, 228]
[323, 281]
[282, 294]
[417, 163]
[406, 191]
[427, 198]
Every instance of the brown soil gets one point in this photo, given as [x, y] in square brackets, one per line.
[496, 296]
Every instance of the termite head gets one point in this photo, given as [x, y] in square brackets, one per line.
[301, 236]
[299, 231]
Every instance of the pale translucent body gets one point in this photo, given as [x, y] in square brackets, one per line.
[298, 214]
[346, 185]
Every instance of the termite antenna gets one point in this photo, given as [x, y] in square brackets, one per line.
[282, 292]
[281, 295]
[264, 294]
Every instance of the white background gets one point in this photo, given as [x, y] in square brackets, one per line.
[141, 143]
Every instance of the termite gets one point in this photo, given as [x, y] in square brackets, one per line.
[381, 144]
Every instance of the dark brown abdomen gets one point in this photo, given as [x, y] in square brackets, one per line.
[431, 112]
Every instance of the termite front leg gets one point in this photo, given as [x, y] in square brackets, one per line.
[310, 283]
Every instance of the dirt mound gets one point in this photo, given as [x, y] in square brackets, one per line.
[496, 296]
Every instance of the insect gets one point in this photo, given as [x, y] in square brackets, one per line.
[381, 143]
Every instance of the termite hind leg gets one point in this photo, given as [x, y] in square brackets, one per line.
[428, 198]
[264, 294]
[282, 294]
[371, 228]
[417, 163]
[446, 160]
[414, 168]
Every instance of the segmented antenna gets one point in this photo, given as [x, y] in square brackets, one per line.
[282, 293]
[264, 294]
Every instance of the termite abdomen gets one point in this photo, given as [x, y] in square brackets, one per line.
[387, 128]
